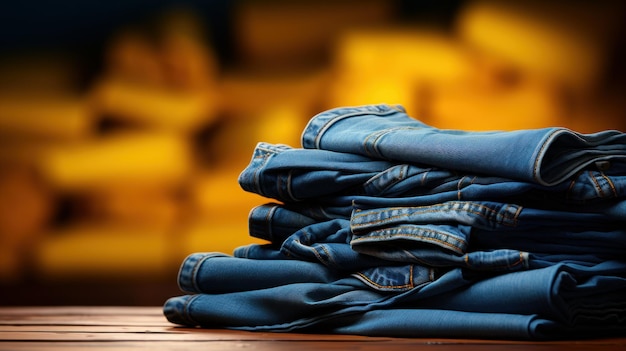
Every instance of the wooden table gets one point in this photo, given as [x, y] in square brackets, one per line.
[145, 328]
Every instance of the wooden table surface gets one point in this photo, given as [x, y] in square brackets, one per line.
[145, 328]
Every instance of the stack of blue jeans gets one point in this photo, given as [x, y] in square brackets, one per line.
[382, 225]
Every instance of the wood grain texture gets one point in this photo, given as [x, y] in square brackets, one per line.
[145, 328]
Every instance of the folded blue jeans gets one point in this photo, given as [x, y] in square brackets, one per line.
[474, 235]
[564, 300]
[544, 156]
[294, 174]
[333, 244]
[400, 233]
[392, 227]
[326, 184]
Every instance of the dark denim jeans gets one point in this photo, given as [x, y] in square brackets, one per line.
[429, 238]
[408, 213]
[330, 182]
[563, 300]
[457, 227]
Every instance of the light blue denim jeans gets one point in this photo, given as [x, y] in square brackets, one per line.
[545, 156]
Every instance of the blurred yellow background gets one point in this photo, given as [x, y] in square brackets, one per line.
[123, 127]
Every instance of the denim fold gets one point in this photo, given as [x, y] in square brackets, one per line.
[382, 225]
[571, 296]
[545, 156]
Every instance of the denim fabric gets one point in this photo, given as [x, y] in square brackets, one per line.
[503, 226]
[219, 273]
[486, 215]
[545, 156]
[405, 233]
[387, 226]
[296, 236]
[275, 222]
[434, 323]
[562, 297]
[288, 174]
[329, 182]
[337, 245]
[571, 293]
[375, 272]
[255, 305]
[567, 300]
[475, 235]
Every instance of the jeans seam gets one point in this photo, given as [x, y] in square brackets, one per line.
[374, 182]
[194, 272]
[337, 117]
[268, 220]
[424, 176]
[536, 165]
[285, 249]
[186, 310]
[436, 208]
[328, 262]
[570, 188]
[371, 146]
[520, 260]
[374, 234]
[599, 189]
[282, 186]
[257, 177]
[460, 185]
[289, 187]
[366, 143]
[380, 286]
